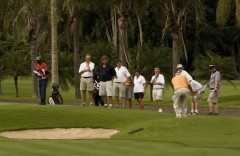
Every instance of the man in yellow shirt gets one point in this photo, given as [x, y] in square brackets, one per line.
[182, 88]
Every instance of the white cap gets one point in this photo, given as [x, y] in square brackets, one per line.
[179, 66]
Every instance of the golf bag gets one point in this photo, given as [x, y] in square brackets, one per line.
[56, 97]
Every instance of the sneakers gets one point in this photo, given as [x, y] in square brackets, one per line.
[83, 104]
[110, 106]
[105, 105]
[210, 113]
[160, 110]
[91, 104]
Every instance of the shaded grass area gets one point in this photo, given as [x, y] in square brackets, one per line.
[163, 134]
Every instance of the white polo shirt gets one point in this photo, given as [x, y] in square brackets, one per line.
[138, 84]
[83, 66]
[195, 85]
[121, 73]
[189, 77]
[159, 79]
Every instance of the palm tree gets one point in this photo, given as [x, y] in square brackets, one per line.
[33, 12]
[176, 17]
[54, 50]
[223, 12]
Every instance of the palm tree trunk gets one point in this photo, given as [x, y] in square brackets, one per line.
[55, 77]
[176, 50]
[33, 53]
[16, 85]
[114, 30]
[76, 56]
[123, 43]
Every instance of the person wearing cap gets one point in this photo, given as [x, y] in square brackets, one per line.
[86, 81]
[182, 88]
[107, 73]
[214, 86]
[118, 85]
[183, 72]
[42, 74]
[158, 84]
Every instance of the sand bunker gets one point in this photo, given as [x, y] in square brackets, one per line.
[61, 133]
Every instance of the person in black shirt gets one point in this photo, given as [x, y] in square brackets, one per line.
[107, 73]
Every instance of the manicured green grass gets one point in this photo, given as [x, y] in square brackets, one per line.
[163, 134]
[229, 96]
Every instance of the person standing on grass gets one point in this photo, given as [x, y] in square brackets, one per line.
[181, 70]
[158, 84]
[214, 86]
[107, 73]
[139, 88]
[86, 82]
[182, 88]
[118, 86]
[42, 74]
[128, 84]
[195, 96]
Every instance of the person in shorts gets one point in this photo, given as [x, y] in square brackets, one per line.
[86, 81]
[158, 84]
[195, 96]
[118, 85]
[139, 88]
[214, 86]
[107, 73]
[128, 83]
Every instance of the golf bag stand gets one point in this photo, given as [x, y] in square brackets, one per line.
[56, 97]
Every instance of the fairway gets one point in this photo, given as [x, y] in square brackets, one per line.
[163, 134]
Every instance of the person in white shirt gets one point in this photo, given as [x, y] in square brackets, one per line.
[86, 81]
[119, 89]
[158, 84]
[195, 96]
[183, 72]
[139, 88]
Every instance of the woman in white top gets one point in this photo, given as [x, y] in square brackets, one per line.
[139, 88]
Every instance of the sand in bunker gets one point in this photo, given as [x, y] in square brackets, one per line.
[61, 133]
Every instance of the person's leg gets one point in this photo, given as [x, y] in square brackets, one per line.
[100, 100]
[210, 102]
[40, 83]
[130, 103]
[176, 100]
[109, 93]
[184, 102]
[95, 98]
[83, 97]
[216, 109]
[116, 94]
[122, 94]
[141, 104]
[44, 88]
[90, 98]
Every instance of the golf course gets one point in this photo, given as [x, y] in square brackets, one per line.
[162, 133]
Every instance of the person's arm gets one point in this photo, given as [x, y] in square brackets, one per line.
[152, 80]
[113, 72]
[81, 70]
[144, 85]
[216, 82]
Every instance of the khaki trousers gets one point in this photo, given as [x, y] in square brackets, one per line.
[179, 102]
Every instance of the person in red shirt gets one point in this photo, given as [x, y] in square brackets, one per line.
[42, 74]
